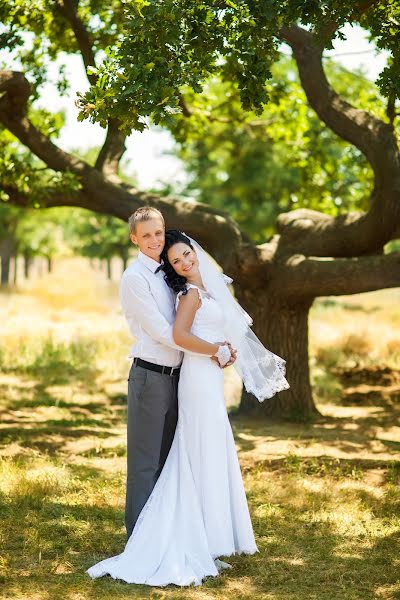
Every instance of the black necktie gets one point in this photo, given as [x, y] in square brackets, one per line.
[159, 268]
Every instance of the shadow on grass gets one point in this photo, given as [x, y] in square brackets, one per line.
[338, 469]
[23, 416]
[42, 398]
[62, 372]
[300, 558]
[346, 434]
[118, 399]
[51, 436]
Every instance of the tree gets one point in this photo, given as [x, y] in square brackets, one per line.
[99, 236]
[40, 234]
[8, 224]
[167, 51]
[284, 158]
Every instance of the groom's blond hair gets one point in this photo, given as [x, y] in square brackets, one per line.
[144, 213]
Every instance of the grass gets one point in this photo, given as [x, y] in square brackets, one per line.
[324, 497]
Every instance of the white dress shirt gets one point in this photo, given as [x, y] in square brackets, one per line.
[149, 307]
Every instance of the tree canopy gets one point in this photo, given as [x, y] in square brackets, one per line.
[256, 166]
[237, 41]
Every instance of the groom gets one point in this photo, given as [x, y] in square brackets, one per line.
[149, 307]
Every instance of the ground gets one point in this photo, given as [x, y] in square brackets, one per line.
[324, 497]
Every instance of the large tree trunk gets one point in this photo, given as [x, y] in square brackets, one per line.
[283, 329]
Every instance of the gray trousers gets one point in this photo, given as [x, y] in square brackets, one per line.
[152, 418]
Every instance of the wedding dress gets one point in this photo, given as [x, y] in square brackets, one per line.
[197, 510]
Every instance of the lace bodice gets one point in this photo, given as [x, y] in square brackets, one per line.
[208, 323]
[262, 371]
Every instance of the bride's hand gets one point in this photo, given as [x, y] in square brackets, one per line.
[226, 354]
[222, 354]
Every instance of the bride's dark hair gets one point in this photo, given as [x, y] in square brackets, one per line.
[175, 281]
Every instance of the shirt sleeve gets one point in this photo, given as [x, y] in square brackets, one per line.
[138, 301]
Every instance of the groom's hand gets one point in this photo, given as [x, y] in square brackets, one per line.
[233, 355]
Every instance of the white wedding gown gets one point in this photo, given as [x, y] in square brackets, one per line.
[197, 510]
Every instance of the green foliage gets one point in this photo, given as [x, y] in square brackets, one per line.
[21, 170]
[167, 44]
[252, 145]
[9, 216]
[56, 231]
[392, 246]
[383, 21]
[256, 166]
[96, 235]
[37, 32]
[40, 233]
[35, 232]
[171, 43]
[62, 231]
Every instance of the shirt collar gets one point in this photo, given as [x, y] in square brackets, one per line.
[148, 262]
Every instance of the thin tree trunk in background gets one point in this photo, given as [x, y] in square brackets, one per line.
[6, 251]
[124, 259]
[27, 265]
[49, 264]
[5, 270]
[15, 276]
[109, 271]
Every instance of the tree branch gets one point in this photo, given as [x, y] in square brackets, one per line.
[14, 94]
[216, 231]
[352, 234]
[114, 144]
[186, 111]
[314, 276]
[111, 153]
[356, 126]
[391, 109]
[84, 40]
[65, 198]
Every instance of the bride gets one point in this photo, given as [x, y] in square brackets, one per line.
[197, 510]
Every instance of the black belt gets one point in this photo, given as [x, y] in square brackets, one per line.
[172, 371]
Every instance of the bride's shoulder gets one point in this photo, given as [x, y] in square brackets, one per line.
[190, 296]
